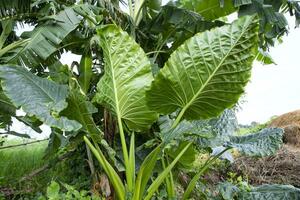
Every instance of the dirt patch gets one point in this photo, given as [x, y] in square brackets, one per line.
[282, 168]
[292, 135]
[290, 122]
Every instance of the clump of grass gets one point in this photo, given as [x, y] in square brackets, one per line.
[18, 161]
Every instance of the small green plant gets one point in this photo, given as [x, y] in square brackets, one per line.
[234, 179]
[54, 192]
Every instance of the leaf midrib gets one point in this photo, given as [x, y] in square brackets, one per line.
[113, 79]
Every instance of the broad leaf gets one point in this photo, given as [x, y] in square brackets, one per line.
[85, 71]
[37, 96]
[198, 128]
[273, 24]
[209, 133]
[176, 25]
[188, 158]
[81, 110]
[7, 110]
[127, 77]
[6, 106]
[221, 129]
[45, 38]
[207, 73]
[274, 192]
[53, 190]
[264, 143]
[211, 9]
[230, 191]
[59, 73]
[145, 172]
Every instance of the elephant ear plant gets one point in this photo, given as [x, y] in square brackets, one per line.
[204, 76]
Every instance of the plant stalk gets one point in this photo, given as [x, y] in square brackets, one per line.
[206, 165]
[125, 155]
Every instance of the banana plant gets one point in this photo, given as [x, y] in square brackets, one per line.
[136, 8]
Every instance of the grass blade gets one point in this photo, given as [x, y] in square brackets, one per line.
[145, 173]
[154, 186]
[131, 166]
[109, 170]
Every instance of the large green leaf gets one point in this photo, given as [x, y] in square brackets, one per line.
[127, 77]
[264, 143]
[211, 9]
[207, 73]
[7, 110]
[274, 192]
[85, 71]
[229, 191]
[81, 110]
[198, 128]
[273, 23]
[45, 38]
[175, 25]
[221, 129]
[37, 96]
[208, 133]
[6, 106]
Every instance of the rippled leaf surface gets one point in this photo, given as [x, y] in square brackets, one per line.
[127, 76]
[264, 143]
[207, 73]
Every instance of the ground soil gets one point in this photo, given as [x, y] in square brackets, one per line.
[281, 168]
[284, 166]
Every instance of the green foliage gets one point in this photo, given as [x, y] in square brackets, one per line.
[54, 193]
[175, 25]
[128, 75]
[210, 10]
[264, 143]
[44, 39]
[37, 96]
[7, 109]
[273, 24]
[80, 109]
[272, 192]
[207, 73]
[85, 71]
[10, 8]
[113, 88]
[230, 191]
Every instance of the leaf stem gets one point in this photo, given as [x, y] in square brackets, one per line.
[125, 154]
[178, 118]
[131, 13]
